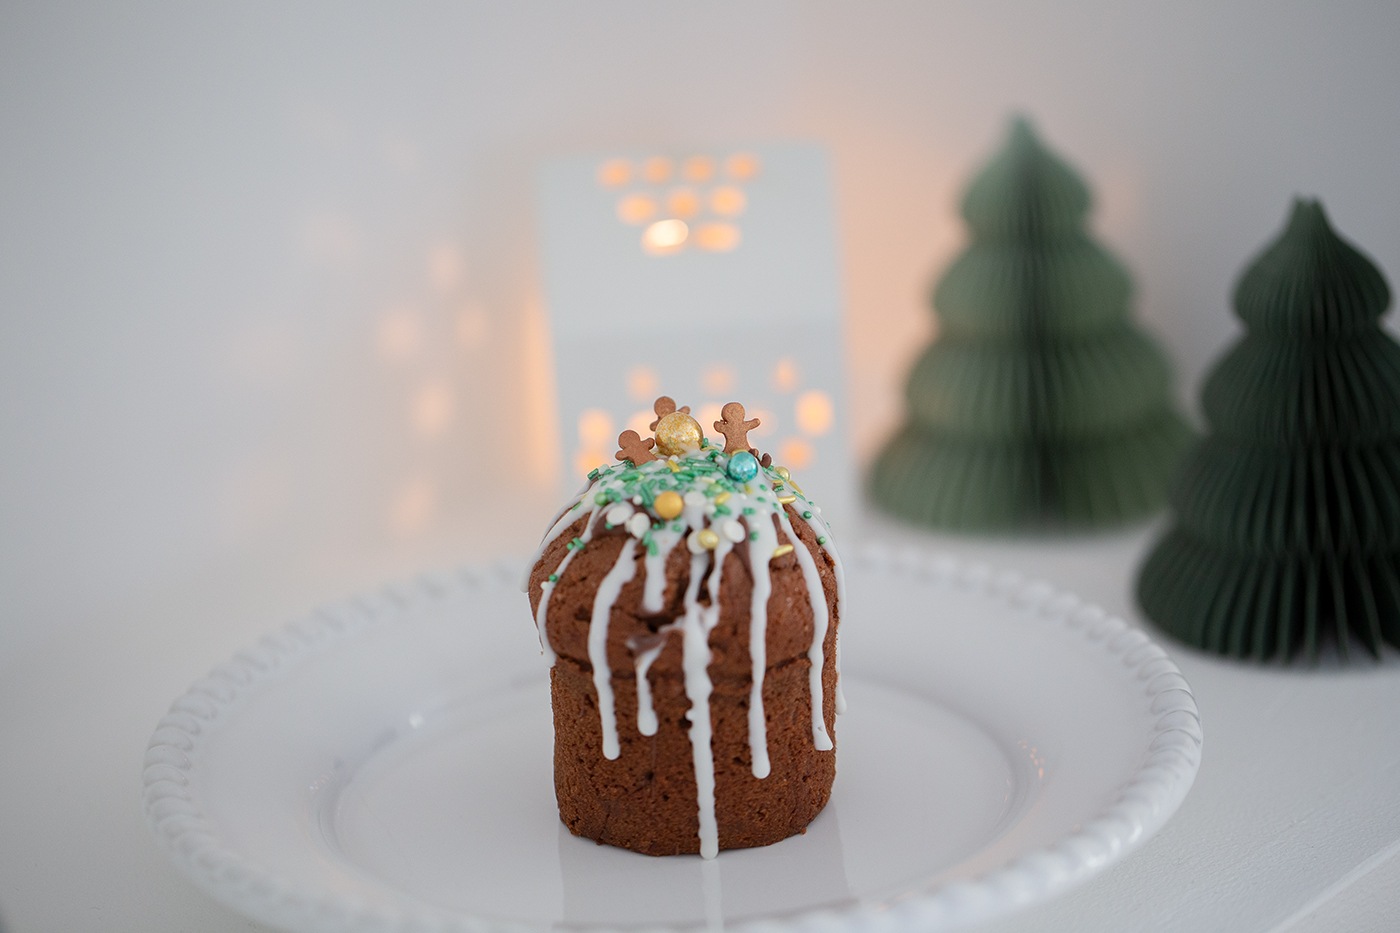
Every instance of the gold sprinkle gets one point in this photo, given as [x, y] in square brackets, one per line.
[722, 498]
[781, 549]
[783, 472]
[787, 499]
[673, 466]
[707, 539]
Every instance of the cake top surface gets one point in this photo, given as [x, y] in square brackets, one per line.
[695, 490]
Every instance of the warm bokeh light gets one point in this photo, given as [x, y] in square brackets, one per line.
[709, 414]
[768, 422]
[641, 422]
[412, 507]
[636, 209]
[741, 166]
[614, 173]
[400, 334]
[718, 379]
[717, 238]
[683, 202]
[432, 408]
[665, 236]
[728, 201]
[814, 413]
[785, 375]
[642, 383]
[587, 459]
[796, 453]
[595, 427]
[698, 168]
[473, 327]
[657, 169]
[445, 266]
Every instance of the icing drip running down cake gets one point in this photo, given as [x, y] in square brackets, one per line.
[688, 601]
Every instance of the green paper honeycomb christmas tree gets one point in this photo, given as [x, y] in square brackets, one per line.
[1040, 405]
[1287, 532]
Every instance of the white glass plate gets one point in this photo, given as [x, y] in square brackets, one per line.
[386, 765]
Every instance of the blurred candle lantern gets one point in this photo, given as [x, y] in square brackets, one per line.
[707, 275]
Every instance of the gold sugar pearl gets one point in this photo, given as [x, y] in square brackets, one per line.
[677, 433]
[784, 473]
[668, 504]
[707, 538]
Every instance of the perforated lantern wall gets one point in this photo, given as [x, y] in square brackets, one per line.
[707, 275]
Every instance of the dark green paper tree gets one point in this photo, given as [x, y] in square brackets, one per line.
[1040, 404]
[1287, 529]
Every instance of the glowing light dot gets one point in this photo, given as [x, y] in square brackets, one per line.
[432, 409]
[473, 327]
[636, 209]
[683, 202]
[587, 458]
[641, 422]
[614, 173]
[742, 166]
[641, 383]
[400, 335]
[785, 376]
[814, 413]
[797, 452]
[717, 238]
[665, 236]
[728, 201]
[698, 168]
[595, 427]
[718, 379]
[657, 169]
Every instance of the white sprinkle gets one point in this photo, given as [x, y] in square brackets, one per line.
[695, 499]
[693, 544]
[618, 514]
[636, 500]
[639, 524]
[733, 530]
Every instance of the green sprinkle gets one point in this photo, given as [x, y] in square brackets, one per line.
[554, 578]
[748, 510]
[601, 498]
[821, 539]
[753, 535]
[806, 514]
[593, 474]
[723, 510]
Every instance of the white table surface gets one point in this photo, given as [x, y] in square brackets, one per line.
[1293, 823]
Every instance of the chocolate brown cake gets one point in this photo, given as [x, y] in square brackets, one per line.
[689, 605]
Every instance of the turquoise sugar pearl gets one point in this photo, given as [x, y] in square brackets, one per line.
[743, 466]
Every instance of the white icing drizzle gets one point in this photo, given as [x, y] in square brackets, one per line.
[542, 615]
[654, 587]
[816, 653]
[732, 513]
[695, 659]
[620, 574]
[646, 709]
[818, 526]
[760, 554]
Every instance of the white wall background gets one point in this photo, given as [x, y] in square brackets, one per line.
[269, 327]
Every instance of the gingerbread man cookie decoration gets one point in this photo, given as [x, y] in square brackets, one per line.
[664, 406]
[632, 447]
[734, 428]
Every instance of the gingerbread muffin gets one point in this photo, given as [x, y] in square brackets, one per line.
[689, 604]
